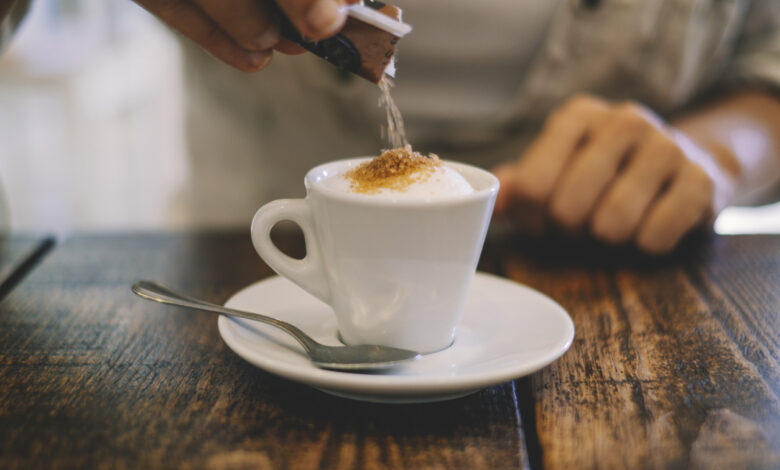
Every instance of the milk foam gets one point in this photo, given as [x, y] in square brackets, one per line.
[443, 182]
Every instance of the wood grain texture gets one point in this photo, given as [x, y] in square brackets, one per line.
[18, 254]
[93, 377]
[674, 362]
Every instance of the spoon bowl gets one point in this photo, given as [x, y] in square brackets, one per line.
[354, 358]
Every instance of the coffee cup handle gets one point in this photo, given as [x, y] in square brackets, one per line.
[309, 272]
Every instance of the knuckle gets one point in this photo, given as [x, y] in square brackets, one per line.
[214, 34]
[578, 106]
[630, 117]
[556, 119]
[630, 108]
[664, 149]
[558, 122]
[583, 103]
[699, 180]
[663, 144]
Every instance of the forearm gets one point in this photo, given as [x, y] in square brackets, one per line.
[743, 133]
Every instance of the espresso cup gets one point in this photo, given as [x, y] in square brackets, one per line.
[395, 272]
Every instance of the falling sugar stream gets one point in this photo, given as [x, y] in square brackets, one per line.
[395, 132]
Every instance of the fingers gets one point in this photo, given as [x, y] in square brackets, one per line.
[677, 211]
[244, 33]
[617, 170]
[618, 215]
[288, 47]
[504, 174]
[526, 186]
[193, 22]
[517, 208]
[246, 21]
[539, 169]
[315, 19]
[595, 166]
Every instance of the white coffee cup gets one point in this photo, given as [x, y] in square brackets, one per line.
[395, 272]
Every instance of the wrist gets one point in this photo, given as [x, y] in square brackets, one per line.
[719, 163]
[725, 158]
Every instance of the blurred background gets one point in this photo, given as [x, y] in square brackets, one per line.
[92, 124]
[91, 119]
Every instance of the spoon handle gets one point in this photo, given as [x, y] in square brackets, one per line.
[159, 293]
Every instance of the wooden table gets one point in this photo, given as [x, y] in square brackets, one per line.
[674, 365]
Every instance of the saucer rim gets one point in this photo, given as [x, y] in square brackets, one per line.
[349, 383]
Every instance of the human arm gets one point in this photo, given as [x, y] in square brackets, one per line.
[622, 174]
[244, 33]
[743, 133]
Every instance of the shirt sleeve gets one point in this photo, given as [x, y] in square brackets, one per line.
[756, 60]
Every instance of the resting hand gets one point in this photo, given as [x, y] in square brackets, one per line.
[617, 171]
[244, 33]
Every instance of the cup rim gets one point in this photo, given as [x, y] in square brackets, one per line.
[368, 199]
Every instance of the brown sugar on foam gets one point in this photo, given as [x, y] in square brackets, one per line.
[394, 169]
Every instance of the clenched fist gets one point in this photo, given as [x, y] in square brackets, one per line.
[616, 171]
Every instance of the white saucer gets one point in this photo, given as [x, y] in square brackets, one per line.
[508, 330]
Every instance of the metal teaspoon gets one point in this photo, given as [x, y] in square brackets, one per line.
[327, 357]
